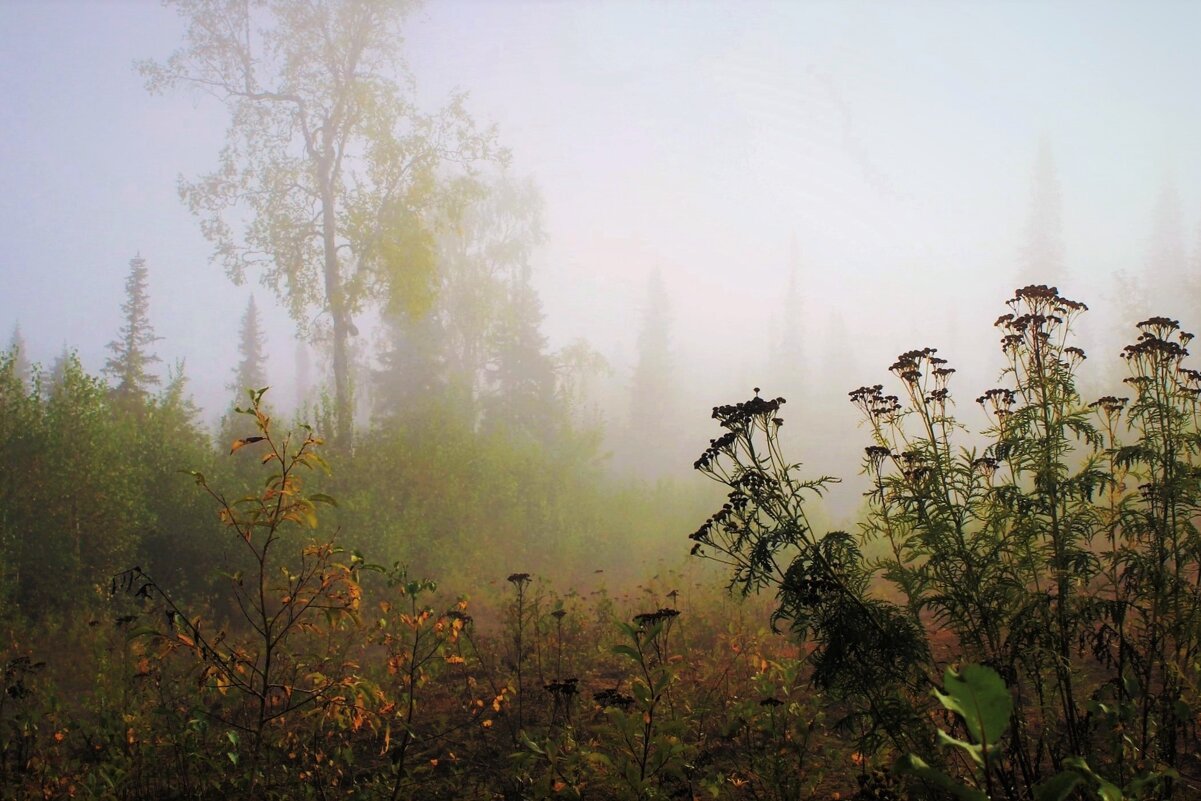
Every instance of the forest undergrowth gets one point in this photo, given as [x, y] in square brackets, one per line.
[1016, 616]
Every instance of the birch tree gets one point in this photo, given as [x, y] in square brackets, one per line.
[331, 176]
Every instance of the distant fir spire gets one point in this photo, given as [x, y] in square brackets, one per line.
[20, 354]
[652, 407]
[304, 369]
[1156, 289]
[1166, 258]
[412, 366]
[787, 351]
[174, 395]
[251, 372]
[131, 359]
[59, 367]
[1195, 262]
[522, 378]
[1043, 254]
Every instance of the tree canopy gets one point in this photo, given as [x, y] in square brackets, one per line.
[331, 175]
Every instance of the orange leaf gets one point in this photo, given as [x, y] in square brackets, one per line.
[241, 443]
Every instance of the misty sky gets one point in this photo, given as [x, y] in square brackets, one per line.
[894, 142]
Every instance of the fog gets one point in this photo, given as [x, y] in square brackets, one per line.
[903, 166]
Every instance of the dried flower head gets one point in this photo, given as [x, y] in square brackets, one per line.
[651, 618]
[613, 698]
[1109, 404]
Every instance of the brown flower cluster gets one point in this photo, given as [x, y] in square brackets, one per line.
[874, 403]
[999, 402]
[739, 418]
[1038, 310]
[910, 366]
[1109, 404]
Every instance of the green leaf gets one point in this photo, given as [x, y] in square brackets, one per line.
[316, 459]
[628, 651]
[1151, 781]
[1058, 787]
[195, 474]
[913, 765]
[979, 697]
[1106, 790]
[976, 752]
[321, 497]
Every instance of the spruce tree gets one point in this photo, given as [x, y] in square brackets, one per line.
[304, 369]
[251, 372]
[413, 366]
[20, 355]
[1167, 259]
[1043, 254]
[131, 359]
[786, 354]
[58, 368]
[522, 394]
[652, 403]
[1157, 288]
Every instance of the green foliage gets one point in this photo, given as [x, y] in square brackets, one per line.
[83, 493]
[451, 500]
[649, 752]
[71, 499]
[982, 703]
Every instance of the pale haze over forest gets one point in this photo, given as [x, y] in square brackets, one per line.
[900, 158]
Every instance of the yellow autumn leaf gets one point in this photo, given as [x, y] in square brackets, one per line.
[387, 740]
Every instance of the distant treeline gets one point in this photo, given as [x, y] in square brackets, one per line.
[92, 482]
